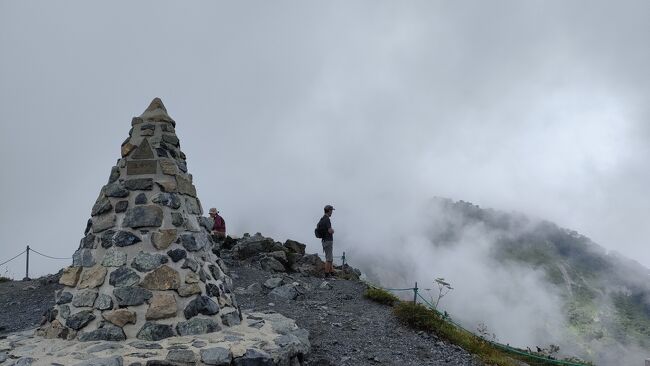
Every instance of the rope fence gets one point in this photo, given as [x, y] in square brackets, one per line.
[26, 252]
[504, 347]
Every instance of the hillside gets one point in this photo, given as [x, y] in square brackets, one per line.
[606, 297]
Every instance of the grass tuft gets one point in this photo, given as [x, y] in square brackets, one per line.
[381, 296]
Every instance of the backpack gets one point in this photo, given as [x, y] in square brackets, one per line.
[318, 231]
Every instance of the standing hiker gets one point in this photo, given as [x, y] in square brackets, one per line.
[324, 228]
[219, 227]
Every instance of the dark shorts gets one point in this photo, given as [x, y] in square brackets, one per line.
[327, 248]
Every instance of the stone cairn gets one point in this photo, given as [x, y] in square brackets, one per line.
[145, 267]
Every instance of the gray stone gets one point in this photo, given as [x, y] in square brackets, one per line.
[148, 126]
[130, 296]
[79, 320]
[145, 345]
[103, 347]
[143, 216]
[177, 219]
[177, 254]
[216, 272]
[272, 265]
[140, 167]
[193, 206]
[83, 258]
[114, 258]
[216, 356]
[84, 298]
[64, 298]
[189, 290]
[154, 332]
[143, 151]
[115, 189]
[185, 186]
[102, 205]
[212, 290]
[197, 326]
[140, 199]
[108, 332]
[252, 246]
[200, 305]
[230, 316]
[3, 356]
[273, 282]
[106, 361]
[64, 311]
[254, 357]
[280, 256]
[104, 302]
[103, 222]
[170, 139]
[119, 238]
[163, 238]
[170, 200]
[123, 277]
[190, 242]
[295, 247]
[190, 264]
[24, 361]
[199, 344]
[145, 262]
[254, 288]
[288, 292]
[167, 128]
[121, 206]
[182, 166]
[115, 174]
[181, 356]
[162, 153]
[88, 242]
[206, 222]
[325, 286]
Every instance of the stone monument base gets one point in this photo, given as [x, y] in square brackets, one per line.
[260, 339]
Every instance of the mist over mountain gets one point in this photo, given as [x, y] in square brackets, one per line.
[529, 281]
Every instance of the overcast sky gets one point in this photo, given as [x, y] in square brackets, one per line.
[282, 107]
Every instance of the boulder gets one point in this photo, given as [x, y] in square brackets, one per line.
[143, 216]
[145, 262]
[200, 305]
[295, 247]
[197, 325]
[271, 264]
[288, 292]
[154, 332]
[252, 246]
[273, 282]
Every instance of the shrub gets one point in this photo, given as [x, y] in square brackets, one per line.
[381, 296]
[4, 279]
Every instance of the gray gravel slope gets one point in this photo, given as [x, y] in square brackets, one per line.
[345, 328]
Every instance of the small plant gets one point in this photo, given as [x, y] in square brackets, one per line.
[381, 296]
[443, 289]
[484, 333]
[4, 279]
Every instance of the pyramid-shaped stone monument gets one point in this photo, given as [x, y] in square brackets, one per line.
[145, 267]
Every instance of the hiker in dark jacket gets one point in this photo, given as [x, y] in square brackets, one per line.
[325, 226]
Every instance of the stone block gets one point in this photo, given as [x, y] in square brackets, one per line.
[92, 277]
[70, 276]
[143, 216]
[161, 306]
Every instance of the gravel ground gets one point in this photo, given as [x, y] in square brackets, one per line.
[22, 303]
[345, 328]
